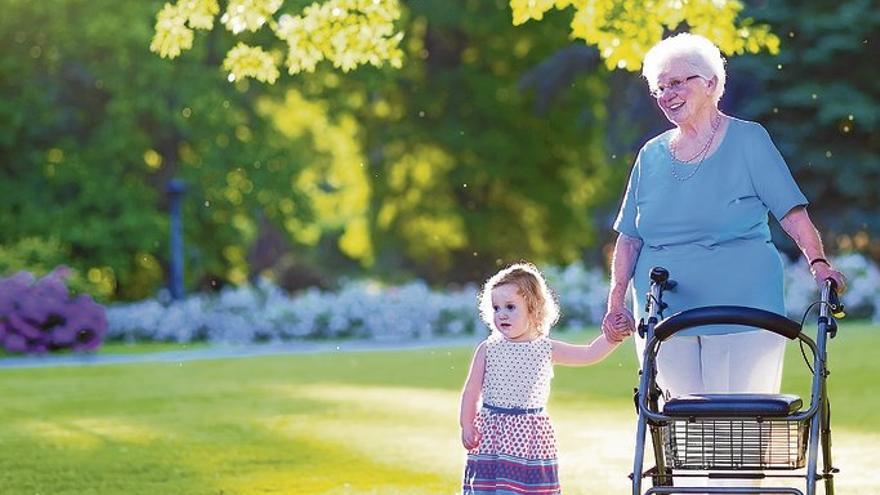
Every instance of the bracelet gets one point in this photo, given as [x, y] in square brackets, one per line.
[820, 260]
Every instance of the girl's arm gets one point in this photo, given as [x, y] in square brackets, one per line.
[800, 228]
[618, 322]
[470, 398]
[582, 355]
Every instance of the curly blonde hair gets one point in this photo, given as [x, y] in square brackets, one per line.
[541, 306]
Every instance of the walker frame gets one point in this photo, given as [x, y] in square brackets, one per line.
[733, 436]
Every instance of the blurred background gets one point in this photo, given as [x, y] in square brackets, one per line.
[491, 143]
[336, 178]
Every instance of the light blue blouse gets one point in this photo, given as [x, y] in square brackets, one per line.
[709, 226]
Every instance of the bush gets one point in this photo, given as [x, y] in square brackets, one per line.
[39, 315]
[365, 309]
[264, 313]
[38, 256]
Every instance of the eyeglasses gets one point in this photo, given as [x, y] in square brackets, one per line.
[675, 85]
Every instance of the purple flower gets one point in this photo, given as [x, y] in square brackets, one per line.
[14, 343]
[40, 315]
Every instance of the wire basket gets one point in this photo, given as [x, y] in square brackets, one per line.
[735, 444]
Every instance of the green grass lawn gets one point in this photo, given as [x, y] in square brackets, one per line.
[344, 423]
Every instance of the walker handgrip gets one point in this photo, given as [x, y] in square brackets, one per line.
[727, 315]
[659, 274]
[835, 306]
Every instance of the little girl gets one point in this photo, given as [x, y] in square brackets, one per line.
[510, 441]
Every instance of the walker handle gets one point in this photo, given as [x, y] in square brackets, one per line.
[727, 315]
[660, 275]
[835, 306]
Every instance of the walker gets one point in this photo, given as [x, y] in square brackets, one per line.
[734, 436]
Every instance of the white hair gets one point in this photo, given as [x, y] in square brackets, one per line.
[695, 51]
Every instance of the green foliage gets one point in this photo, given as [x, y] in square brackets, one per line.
[465, 173]
[97, 125]
[624, 30]
[485, 147]
[41, 256]
[821, 101]
[348, 33]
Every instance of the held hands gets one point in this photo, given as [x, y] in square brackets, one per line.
[822, 271]
[470, 437]
[618, 324]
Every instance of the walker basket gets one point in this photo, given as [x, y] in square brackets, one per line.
[735, 443]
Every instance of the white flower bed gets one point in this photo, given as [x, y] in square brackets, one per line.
[582, 293]
[264, 313]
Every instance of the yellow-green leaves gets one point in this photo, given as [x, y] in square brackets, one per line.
[337, 186]
[420, 205]
[199, 13]
[624, 30]
[250, 61]
[172, 34]
[249, 14]
[347, 33]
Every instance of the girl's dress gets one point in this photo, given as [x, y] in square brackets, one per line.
[517, 452]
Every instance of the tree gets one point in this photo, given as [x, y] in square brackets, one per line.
[347, 33]
[420, 189]
[94, 127]
[464, 174]
[492, 143]
[350, 33]
[436, 170]
[624, 30]
[821, 102]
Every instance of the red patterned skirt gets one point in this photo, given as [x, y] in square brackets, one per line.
[516, 456]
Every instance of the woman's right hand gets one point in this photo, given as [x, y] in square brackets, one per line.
[618, 324]
[470, 437]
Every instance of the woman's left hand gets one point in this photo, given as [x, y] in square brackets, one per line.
[822, 272]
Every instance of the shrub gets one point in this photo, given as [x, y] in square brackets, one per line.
[367, 309]
[39, 315]
[264, 313]
[39, 256]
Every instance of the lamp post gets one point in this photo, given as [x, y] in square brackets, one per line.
[176, 188]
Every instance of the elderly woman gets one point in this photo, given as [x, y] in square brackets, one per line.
[697, 204]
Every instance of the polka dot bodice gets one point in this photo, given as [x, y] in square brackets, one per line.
[517, 374]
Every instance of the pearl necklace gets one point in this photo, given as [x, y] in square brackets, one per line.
[700, 154]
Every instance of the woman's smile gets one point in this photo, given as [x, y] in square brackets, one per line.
[675, 106]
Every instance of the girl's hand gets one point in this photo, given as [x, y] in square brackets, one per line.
[470, 437]
[618, 324]
[822, 272]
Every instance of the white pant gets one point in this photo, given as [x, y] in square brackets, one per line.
[727, 363]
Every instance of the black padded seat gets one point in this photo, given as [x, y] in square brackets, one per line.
[733, 405]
